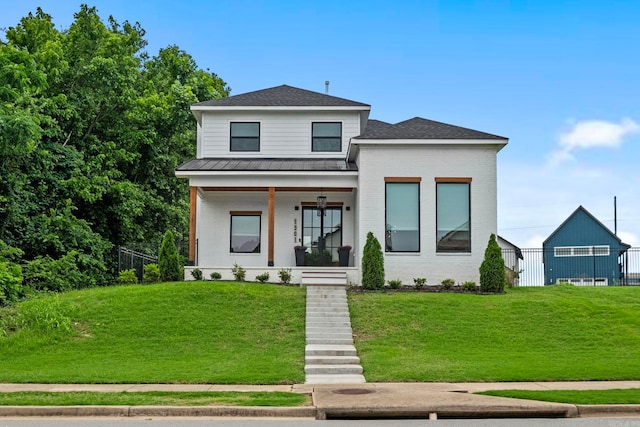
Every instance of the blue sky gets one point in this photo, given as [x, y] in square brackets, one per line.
[559, 78]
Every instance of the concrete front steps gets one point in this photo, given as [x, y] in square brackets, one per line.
[330, 356]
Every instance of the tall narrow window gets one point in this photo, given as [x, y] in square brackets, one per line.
[326, 136]
[453, 217]
[245, 136]
[402, 217]
[245, 232]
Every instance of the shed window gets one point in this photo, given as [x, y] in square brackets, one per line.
[565, 251]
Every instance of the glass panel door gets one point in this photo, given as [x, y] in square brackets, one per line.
[322, 234]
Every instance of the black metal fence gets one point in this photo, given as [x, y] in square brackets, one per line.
[531, 271]
[129, 259]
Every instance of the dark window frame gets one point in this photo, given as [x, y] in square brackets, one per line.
[413, 181]
[244, 137]
[325, 138]
[454, 181]
[258, 215]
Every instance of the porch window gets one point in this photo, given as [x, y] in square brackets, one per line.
[326, 136]
[453, 216]
[402, 216]
[245, 232]
[245, 136]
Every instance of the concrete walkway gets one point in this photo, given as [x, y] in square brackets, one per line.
[370, 400]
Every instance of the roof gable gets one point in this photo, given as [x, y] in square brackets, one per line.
[419, 128]
[281, 96]
[581, 210]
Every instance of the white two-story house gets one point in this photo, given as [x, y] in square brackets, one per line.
[284, 167]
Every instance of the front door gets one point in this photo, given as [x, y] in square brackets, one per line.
[322, 234]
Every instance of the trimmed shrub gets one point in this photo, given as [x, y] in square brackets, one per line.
[262, 277]
[238, 272]
[469, 287]
[447, 284]
[285, 276]
[196, 273]
[168, 260]
[395, 283]
[372, 264]
[151, 273]
[215, 276]
[128, 277]
[492, 273]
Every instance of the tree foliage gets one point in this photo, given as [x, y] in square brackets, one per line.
[492, 271]
[372, 263]
[91, 130]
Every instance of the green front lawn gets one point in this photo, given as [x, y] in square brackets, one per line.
[187, 332]
[529, 334]
[153, 398]
[576, 397]
[235, 333]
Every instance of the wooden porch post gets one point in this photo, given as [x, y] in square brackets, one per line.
[270, 245]
[193, 197]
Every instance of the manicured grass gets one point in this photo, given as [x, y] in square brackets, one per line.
[577, 397]
[529, 334]
[187, 332]
[153, 398]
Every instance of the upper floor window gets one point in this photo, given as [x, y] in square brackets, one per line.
[245, 136]
[402, 214]
[326, 136]
[453, 215]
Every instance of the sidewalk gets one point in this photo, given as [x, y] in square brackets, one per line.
[370, 400]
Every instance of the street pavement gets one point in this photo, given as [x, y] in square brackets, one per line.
[369, 400]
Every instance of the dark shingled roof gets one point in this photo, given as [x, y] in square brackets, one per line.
[419, 128]
[281, 96]
[268, 165]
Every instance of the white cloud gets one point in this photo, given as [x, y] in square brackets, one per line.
[591, 134]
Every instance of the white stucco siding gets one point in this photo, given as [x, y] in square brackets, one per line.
[214, 227]
[427, 162]
[282, 133]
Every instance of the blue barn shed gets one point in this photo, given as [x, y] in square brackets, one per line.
[583, 252]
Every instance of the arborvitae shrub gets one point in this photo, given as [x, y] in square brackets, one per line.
[168, 260]
[492, 274]
[372, 264]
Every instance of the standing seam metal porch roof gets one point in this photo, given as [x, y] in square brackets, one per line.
[267, 165]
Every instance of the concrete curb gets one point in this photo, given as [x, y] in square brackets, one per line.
[158, 411]
[606, 410]
[579, 411]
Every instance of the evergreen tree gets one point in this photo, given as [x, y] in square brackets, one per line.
[168, 260]
[372, 264]
[492, 272]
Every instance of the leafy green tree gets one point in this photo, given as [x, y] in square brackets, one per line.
[372, 263]
[168, 260]
[91, 130]
[492, 271]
